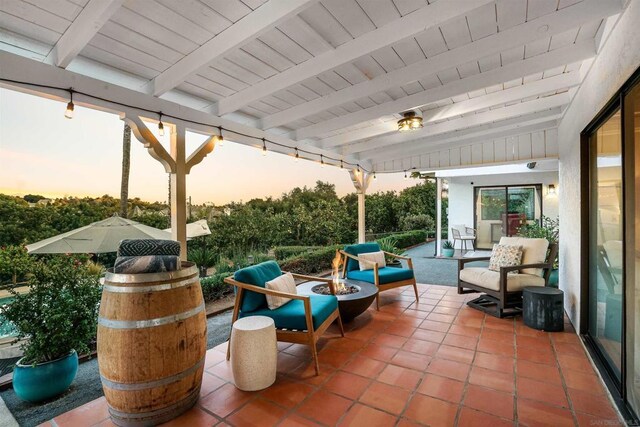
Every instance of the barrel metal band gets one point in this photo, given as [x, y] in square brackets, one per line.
[149, 288]
[141, 418]
[114, 385]
[139, 324]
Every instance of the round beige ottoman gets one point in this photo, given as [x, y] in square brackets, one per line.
[254, 352]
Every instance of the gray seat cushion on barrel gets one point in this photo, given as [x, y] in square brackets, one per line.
[139, 247]
[146, 264]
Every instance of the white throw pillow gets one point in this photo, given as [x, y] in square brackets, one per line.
[505, 256]
[377, 257]
[284, 283]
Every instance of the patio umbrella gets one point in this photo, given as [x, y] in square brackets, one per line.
[196, 229]
[98, 237]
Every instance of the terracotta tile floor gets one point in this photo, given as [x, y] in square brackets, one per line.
[436, 363]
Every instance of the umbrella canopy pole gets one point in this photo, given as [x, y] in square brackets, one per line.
[177, 164]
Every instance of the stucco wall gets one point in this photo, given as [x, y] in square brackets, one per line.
[461, 193]
[617, 60]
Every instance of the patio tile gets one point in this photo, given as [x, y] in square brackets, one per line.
[572, 349]
[490, 401]
[223, 370]
[348, 385]
[195, 417]
[360, 415]
[496, 347]
[589, 383]
[502, 381]
[346, 345]
[427, 335]
[258, 413]
[455, 353]
[441, 388]
[591, 404]
[225, 400]
[532, 342]
[532, 413]
[210, 383]
[534, 355]
[411, 360]
[399, 376]
[295, 420]
[434, 326]
[445, 310]
[576, 363]
[87, 414]
[390, 340]
[467, 331]
[461, 341]
[287, 393]
[401, 330]
[430, 411]
[365, 367]
[327, 408]
[332, 357]
[586, 420]
[538, 371]
[472, 418]
[541, 391]
[386, 397]
[449, 368]
[494, 362]
[213, 358]
[445, 318]
[497, 335]
[421, 347]
[307, 373]
[471, 322]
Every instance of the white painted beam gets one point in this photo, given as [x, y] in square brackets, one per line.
[536, 88]
[562, 56]
[522, 109]
[530, 123]
[88, 22]
[426, 17]
[19, 68]
[242, 32]
[558, 22]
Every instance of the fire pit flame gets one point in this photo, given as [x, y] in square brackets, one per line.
[338, 285]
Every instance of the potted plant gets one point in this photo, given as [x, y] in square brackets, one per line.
[56, 320]
[389, 244]
[548, 229]
[447, 249]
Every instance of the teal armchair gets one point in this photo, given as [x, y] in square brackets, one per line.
[384, 278]
[302, 320]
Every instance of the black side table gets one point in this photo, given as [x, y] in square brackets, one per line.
[543, 308]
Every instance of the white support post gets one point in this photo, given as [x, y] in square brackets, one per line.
[361, 180]
[438, 216]
[179, 189]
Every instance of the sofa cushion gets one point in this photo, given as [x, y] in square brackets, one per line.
[377, 257]
[534, 251]
[505, 256]
[491, 279]
[291, 315]
[285, 283]
[358, 249]
[386, 275]
[256, 275]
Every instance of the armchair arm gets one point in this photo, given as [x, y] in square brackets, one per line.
[264, 291]
[309, 278]
[358, 259]
[470, 231]
[406, 258]
[375, 266]
[463, 261]
[523, 266]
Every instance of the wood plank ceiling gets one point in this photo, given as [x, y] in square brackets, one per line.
[334, 74]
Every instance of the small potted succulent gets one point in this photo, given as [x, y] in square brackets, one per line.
[447, 249]
[55, 320]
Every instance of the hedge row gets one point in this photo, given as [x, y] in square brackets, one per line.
[410, 238]
[311, 262]
[284, 252]
[213, 287]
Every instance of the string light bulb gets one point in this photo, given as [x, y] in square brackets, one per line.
[374, 176]
[220, 137]
[297, 155]
[264, 147]
[69, 112]
[160, 126]
[341, 164]
[405, 174]
[321, 161]
[358, 169]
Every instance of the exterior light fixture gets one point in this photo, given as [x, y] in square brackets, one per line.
[321, 161]
[264, 147]
[220, 137]
[341, 164]
[69, 113]
[552, 190]
[374, 176]
[409, 122]
[160, 126]
[358, 169]
[405, 174]
[297, 155]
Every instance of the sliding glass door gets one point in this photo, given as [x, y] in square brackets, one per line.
[501, 211]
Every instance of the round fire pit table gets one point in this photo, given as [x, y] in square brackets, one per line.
[350, 305]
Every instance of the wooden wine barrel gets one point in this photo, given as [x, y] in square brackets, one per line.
[152, 340]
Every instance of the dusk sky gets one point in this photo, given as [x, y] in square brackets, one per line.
[41, 152]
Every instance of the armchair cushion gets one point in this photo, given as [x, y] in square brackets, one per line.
[292, 316]
[355, 250]
[491, 279]
[505, 256]
[386, 275]
[284, 283]
[377, 257]
[534, 251]
[256, 275]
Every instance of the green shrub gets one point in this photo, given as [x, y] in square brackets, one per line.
[283, 252]
[312, 262]
[418, 222]
[410, 238]
[213, 287]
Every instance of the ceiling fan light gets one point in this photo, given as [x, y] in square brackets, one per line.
[409, 122]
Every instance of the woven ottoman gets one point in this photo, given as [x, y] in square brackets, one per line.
[254, 353]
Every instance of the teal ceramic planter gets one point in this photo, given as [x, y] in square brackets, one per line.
[45, 380]
[553, 278]
[448, 252]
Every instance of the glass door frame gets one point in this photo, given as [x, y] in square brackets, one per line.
[476, 190]
[618, 388]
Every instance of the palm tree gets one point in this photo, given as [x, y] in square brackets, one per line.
[126, 163]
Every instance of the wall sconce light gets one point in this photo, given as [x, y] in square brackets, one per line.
[552, 190]
[445, 191]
